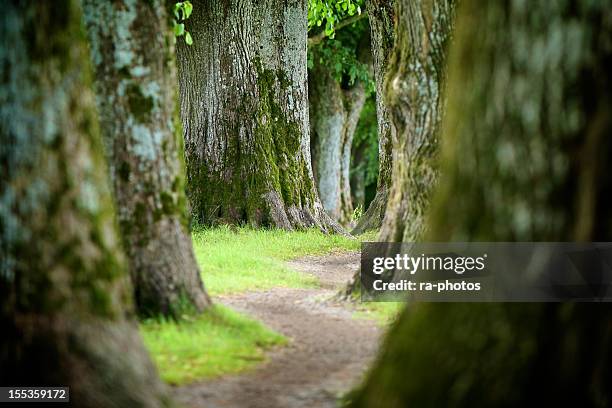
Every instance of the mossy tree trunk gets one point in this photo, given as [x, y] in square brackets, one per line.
[414, 98]
[334, 113]
[381, 18]
[526, 156]
[65, 304]
[413, 101]
[136, 83]
[244, 105]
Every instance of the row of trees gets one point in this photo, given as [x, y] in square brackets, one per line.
[524, 153]
[93, 181]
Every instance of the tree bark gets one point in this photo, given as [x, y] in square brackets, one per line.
[413, 101]
[381, 19]
[334, 114]
[525, 157]
[244, 106]
[65, 305]
[414, 98]
[136, 83]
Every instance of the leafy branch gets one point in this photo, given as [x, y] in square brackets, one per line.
[331, 13]
[182, 10]
[320, 36]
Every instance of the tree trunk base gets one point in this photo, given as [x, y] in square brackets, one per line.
[372, 219]
[293, 217]
[102, 361]
[167, 278]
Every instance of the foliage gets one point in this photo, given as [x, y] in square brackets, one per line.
[366, 136]
[330, 12]
[341, 55]
[182, 10]
[241, 259]
[216, 342]
[357, 213]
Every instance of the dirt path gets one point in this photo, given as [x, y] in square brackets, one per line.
[329, 349]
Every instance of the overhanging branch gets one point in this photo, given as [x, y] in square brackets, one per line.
[320, 36]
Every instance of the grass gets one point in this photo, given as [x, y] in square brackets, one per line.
[382, 312]
[235, 260]
[219, 341]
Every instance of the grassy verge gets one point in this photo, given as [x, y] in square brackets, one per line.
[235, 260]
[220, 341]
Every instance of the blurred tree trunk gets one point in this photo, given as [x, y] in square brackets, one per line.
[525, 157]
[244, 105]
[381, 19]
[334, 114]
[65, 304]
[136, 85]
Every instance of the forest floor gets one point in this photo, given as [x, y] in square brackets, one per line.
[329, 348]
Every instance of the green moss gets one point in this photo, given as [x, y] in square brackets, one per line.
[140, 105]
[168, 204]
[283, 79]
[273, 163]
[178, 184]
[281, 139]
[124, 171]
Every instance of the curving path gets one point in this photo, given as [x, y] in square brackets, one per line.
[328, 354]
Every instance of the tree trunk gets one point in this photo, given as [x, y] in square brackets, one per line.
[358, 175]
[525, 157]
[244, 105]
[65, 306]
[334, 113]
[414, 101]
[414, 98]
[136, 84]
[381, 19]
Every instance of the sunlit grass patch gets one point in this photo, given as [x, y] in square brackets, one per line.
[219, 341]
[235, 260]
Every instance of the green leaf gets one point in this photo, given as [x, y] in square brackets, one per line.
[179, 29]
[188, 38]
[188, 7]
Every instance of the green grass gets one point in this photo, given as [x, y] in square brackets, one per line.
[383, 312]
[235, 260]
[219, 341]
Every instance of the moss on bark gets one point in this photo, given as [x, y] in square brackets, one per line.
[245, 116]
[65, 305]
[135, 80]
[526, 108]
